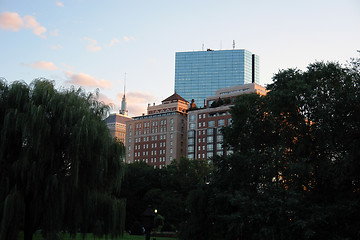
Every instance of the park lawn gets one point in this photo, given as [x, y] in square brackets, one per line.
[66, 236]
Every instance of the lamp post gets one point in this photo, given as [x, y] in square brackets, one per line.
[148, 221]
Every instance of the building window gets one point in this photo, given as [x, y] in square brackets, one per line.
[191, 156]
[210, 139]
[210, 131]
[192, 126]
[190, 149]
[209, 155]
[199, 116]
[191, 118]
[219, 146]
[171, 128]
[171, 150]
[219, 138]
[171, 120]
[210, 147]
[221, 122]
[230, 121]
[190, 141]
[199, 124]
[211, 123]
[191, 134]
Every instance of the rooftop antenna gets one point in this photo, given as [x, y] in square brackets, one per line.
[233, 44]
[202, 47]
[124, 83]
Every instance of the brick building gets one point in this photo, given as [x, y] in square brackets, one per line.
[158, 137]
[204, 137]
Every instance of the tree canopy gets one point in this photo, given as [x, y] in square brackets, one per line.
[295, 169]
[59, 167]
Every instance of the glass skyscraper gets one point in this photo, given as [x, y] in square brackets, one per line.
[200, 74]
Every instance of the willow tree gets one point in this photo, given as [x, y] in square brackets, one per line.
[59, 167]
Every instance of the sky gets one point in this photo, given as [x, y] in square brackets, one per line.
[101, 44]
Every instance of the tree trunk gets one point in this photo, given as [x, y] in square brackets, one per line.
[28, 224]
[28, 233]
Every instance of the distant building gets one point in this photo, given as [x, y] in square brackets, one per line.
[204, 137]
[158, 137]
[199, 74]
[116, 122]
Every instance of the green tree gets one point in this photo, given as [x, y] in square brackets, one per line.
[164, 189]
[59, 167]
[295, 168]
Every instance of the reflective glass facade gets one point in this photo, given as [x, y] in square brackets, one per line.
[199, 74]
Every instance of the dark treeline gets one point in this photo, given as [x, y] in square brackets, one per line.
[59, 168]
[294, 174]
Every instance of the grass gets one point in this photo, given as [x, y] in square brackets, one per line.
[37, 236]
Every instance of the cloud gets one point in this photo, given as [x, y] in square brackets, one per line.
[13, 22]
[113, 42]
[56, 47]
[10, 21]
[30, 22]
[128, 39]
[55, 33]
[137, 102]
[60, 4]
[92, 46]
[85, 80]
[41, 65]
[105, 99]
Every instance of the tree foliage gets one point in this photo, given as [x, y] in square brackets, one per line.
[164, 189]
[59, 167]
[295, 169]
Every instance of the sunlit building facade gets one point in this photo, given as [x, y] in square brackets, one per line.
[159, 137]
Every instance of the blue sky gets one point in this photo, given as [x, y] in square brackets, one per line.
[92, 44]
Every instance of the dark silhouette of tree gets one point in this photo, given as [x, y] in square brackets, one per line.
[59, 167]
[295, 169]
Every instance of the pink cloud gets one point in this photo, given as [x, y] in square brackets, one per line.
[13, 22]
[137, 102]
[85, 80]
[113, 42]
[128, 39]
[60, 4]
[10, 21]
[30, 22]
[44, 65]
[55, 33]
[92, 46]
